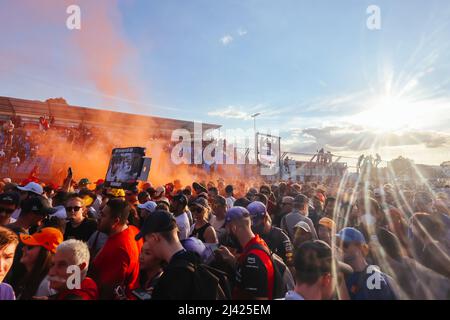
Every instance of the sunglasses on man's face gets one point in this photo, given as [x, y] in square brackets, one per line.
[6, 210]
[75, 208]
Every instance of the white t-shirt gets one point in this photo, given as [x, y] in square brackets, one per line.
[183, 226]
[217, 224]
[230, 202]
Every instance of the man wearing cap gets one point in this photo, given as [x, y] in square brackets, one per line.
[9, 202]
[367, 282]
[30, 190]
[198, 188]
[254, 269]
[326, 229]
[178, 208]
[115, 269]
[278, 241]
[286, 207]
[314, 274]
[143, 197]
[161, 238]
[299, 213]
[302, 233]
[33, 211]
[146, 209]
[83, 184]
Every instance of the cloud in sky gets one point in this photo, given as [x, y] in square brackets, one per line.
[357, 138]
[241, 32]
[226, 40]
[230, 112]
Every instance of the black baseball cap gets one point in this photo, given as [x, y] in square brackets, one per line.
[38, 205]
[181, 198]
[198, 186]
[158, 221]
[10, 198]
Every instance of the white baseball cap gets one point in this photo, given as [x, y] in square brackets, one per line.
[32, 187]
[149, 206]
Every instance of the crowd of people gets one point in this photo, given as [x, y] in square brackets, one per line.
[223, 240]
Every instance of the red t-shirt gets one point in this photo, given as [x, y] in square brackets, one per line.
[88, 291]
[117, 263]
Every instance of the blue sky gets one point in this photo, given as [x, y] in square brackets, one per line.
[312, 68]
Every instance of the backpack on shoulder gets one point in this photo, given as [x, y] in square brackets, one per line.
[209, 283]
[283, 279]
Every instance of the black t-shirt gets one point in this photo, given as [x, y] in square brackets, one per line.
[200, 232]
[83, 232]
[176, 283]
[279, 243]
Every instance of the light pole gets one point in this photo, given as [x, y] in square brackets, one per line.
[254, 120]
[254, 130]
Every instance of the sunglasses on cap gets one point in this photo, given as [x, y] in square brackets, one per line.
[75, 208]
[6, 210]
[198, 209]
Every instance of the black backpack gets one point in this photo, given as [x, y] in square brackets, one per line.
[282, 276]
[209, 283]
